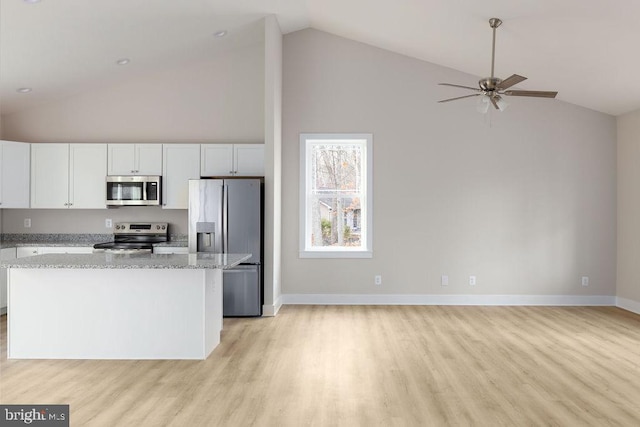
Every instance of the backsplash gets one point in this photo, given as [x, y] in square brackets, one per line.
[89, 221]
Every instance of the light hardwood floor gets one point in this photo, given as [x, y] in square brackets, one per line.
[366, 366]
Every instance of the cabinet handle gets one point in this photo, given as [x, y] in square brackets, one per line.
[66, 204]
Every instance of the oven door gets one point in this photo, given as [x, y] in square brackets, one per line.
[133, 190]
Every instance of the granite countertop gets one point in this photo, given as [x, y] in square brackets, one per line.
[105, 260]
[173, 244]
[80, 240]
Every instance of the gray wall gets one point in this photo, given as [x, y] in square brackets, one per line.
[628, 285]
[525, 200]
[89, 220]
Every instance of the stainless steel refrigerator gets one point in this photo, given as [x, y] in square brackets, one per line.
[225, 216]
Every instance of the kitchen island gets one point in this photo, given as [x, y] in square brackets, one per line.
[110, 306]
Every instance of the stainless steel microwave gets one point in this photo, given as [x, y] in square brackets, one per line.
[133, 190]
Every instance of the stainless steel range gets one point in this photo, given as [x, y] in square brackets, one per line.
[135, 237]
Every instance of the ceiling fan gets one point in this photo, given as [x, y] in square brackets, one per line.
[492, 88]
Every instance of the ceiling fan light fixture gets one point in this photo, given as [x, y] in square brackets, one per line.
[483, 104]
[501, 103]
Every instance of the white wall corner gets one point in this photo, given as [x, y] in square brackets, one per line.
[628, 304]
[405, 299]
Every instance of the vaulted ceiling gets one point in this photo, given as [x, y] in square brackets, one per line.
[584, 49]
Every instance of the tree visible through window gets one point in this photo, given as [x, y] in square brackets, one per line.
[336, 209]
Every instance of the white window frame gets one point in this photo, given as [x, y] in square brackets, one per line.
[308, 251]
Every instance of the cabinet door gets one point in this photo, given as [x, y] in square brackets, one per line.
[49, 176]
[181, 163]
[148, 159]
[248, 159]
[87, 173]
[217, 160]
[5, 254]
[14, 174]
[121, 159]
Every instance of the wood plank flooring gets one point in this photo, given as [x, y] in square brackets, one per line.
[366, 366]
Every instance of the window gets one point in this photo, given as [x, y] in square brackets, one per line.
[335, 195]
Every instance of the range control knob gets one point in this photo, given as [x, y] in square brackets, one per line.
[117, 227]
[164, 226]
[157, 227]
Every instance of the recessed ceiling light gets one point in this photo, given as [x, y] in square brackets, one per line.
[123, 61]
[24, 90]
[221, 33]
[32, 1]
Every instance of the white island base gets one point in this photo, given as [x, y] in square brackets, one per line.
[71, 313]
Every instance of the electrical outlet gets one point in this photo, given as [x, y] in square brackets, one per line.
[377, 280]
[108, 223]
[585, 281]
[444, 281]
[27, 223]
[472, 280]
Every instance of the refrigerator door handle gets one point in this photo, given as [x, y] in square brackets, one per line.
[225, 219]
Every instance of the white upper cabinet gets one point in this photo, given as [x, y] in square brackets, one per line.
[216, 160]
[68, 176]
[181, 163]
[248, 159]
[87, 172]
[50, 176]
[135, 159]
[232, 160]
[15, 163]
[148, 159]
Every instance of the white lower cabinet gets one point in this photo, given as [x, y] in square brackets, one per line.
[5, 254]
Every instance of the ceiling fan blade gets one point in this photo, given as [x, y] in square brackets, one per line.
[510, 81]
[494, 102]
[460, 86]
[536, 93]
[460, 97]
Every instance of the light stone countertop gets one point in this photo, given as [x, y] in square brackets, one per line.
[106, 260]
[80, 240]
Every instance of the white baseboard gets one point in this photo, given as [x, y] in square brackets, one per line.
[628, 304]
[272, 310]
[383, 299]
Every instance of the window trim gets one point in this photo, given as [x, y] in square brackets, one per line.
[332, 251]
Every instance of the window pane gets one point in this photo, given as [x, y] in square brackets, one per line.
[336, 221]
[336, 167]
[335, 198]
